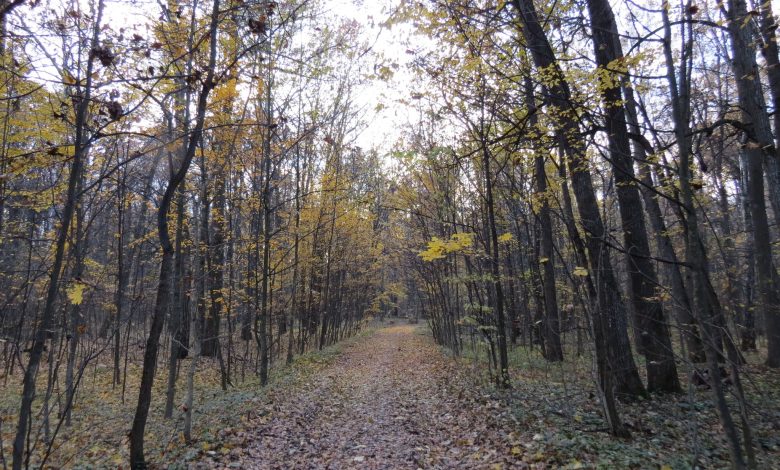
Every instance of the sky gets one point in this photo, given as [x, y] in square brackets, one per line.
[385, 113]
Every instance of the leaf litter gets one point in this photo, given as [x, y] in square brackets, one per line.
[393, 400]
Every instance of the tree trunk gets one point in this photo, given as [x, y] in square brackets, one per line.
[696, 256]
[552, 333]
[495, 264]
[211, 344]
[137, 459]
[42, 331]
[769, 50]
[758, 153]
[609, 315]
[649, 316]
[178, 316]
[746, 319]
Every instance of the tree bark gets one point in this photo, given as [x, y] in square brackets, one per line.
[495, 264]
[649, 316]
[771, 55]
[616, 363]
[758, 153]
[552, 332]
[162, 301]
[44, 326]
[696, 256]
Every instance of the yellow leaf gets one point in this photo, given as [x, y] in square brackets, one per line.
[76, 292]
[438, 248]
[580, 271]
[516, 450]
[505, 238]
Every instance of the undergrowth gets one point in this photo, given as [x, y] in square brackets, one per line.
[97, 437]
[558, 415]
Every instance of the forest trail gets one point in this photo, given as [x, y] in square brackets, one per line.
[389, 400]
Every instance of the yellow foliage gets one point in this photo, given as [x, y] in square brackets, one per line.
[580, 271]
[75, 292]
[438, 248]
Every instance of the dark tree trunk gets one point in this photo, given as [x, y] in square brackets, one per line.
[43, 328]
[755, 118]
[649, 316]
[680, 297]
[503, 356]
[162, 301]
[769, 50]
[552, 332]
[216, 252]
[609, 315]
[696, 256]
[746, 319]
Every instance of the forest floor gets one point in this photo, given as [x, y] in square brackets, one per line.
[393, 399]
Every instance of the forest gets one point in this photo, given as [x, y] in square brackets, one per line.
[396, 234]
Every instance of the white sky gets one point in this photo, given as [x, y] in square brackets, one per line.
[383, 126]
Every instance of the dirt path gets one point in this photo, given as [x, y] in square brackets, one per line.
[390, 400]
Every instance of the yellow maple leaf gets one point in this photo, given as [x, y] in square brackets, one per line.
[76, 292]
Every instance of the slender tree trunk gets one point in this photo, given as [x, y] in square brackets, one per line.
[123, 275]
[696, 256]
[746, 319]
[294, 307]
[680, 297]
[552, 332]
[43, 328]
[190, 393]
[137, 459]
[178, 317]
[216, 252]
[769, 50]
[75, 320]
[261, 327]
[609, 318]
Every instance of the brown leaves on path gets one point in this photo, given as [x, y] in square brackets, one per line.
[390, 400]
